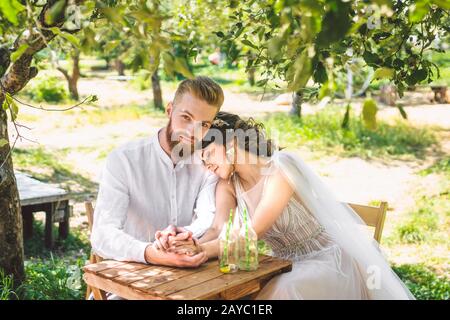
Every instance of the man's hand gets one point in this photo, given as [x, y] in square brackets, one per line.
[164, 238]
[158, 257]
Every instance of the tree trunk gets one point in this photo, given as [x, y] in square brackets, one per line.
[73, 83]
[18, 75]
[157, 94]
[120, 67]
[251, 76]
[72, 80]
[296, 109]
[11, 237]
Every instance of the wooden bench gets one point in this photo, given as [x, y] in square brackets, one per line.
[38, 196]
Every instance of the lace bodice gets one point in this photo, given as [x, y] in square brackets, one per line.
[295, 234]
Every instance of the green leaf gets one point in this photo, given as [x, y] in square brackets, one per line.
[249, 43]
[220, 34]
[299, 72]
[371, 58]
[71, 38]
[346, 120]
[18, 53]
[444, 4]
[181, 66]
[383, 73]
[418, 11]
[416, 76]
[111, 45]
[320, 74]
[3, 142]
[369, 114]
[10, 9]
[55, 12]
[274, 46]
[10, 104]
[335, 24]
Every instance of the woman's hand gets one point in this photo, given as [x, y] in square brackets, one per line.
[172, 232]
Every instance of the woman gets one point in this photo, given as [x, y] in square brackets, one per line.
[296, 215]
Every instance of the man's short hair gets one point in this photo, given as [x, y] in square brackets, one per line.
[203, 88]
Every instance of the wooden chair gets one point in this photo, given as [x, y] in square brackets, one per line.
[98, 294]
[372, 216]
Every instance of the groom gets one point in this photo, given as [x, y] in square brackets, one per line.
[158, 183]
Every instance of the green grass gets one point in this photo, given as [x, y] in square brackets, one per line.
[322, 132]
[55, 274]
[53, 279]
[6, 287]
[423, 283]
[430, 220]
[50, 274]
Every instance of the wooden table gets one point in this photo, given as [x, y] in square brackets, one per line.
[37, 196]
[138, 281]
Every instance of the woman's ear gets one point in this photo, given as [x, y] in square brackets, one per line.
[231, 151]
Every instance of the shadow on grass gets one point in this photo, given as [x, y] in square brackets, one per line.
[48, 166]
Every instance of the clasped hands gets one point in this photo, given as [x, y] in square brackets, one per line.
[176, 246]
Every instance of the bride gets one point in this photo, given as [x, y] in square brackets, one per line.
[296, 215]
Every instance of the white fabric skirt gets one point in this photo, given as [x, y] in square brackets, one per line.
[327, 275]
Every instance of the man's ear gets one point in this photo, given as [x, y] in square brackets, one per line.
[169, 109]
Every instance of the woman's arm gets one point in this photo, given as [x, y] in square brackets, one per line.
[225, 201]
[276, 196]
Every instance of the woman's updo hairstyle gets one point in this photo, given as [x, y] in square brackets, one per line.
[250, 135]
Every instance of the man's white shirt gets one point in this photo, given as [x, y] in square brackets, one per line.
[141, 191]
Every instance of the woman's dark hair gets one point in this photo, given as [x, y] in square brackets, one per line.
[250, 135]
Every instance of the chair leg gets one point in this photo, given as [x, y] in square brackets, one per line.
[98, 294]
[88, 292]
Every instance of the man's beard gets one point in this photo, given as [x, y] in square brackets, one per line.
[178, 149]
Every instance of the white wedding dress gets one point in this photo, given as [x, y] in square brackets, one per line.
[325, 266]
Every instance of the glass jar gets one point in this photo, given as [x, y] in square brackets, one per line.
[228, 245]
[248, 245]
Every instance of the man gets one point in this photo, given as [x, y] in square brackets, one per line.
[150, 184]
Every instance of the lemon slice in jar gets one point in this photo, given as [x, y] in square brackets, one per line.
[225, 269]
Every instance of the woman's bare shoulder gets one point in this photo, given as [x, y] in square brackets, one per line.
[224, 186]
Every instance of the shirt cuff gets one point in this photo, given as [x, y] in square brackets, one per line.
[139, 253]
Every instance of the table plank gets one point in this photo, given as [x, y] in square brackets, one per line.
[142, 274]
[109, 285]
[105, 264]
[227, 281]
[208, 274]
[121, 270]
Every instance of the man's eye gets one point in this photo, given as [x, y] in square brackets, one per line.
[185, 117]
[206, 125]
